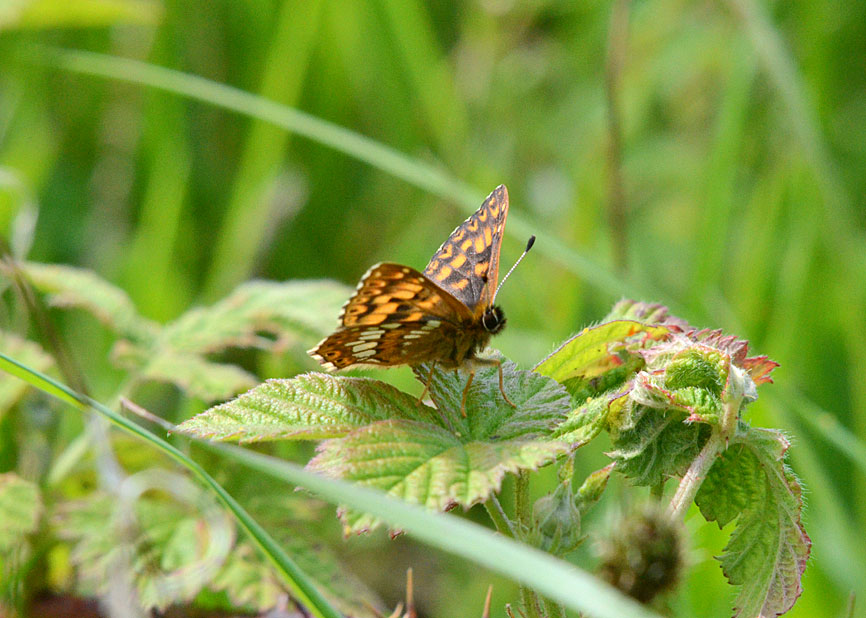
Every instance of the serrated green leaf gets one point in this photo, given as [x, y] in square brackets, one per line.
[540, 403]
[651, 445]
[311, 406]
[287, 310]
[426, 464]
[28, 353]
[598, 349]
[38, 14]
[169, 550]
[248, 582]
[444, 458]
[768, 550]
[20, 510]
[67, 286]
[197, 376]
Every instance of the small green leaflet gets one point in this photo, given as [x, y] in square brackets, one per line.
[599, 349]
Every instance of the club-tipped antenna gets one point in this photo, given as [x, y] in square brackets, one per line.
[529, 244]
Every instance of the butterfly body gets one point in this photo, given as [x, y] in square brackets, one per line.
[445, 315]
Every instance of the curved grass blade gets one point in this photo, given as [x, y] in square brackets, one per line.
[298, 582]
[385, 158]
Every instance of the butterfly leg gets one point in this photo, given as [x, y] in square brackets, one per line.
[427, 383]
[501, 385]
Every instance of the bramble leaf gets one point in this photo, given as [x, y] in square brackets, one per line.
[310, 406]
[768, 550]
[20, 510]
[198, 376]
[447, 459]
[540, 403]
[286, 310]
[596, 350]
[592, 488]
[170, 550]
[261, 314]
[68, 286]
[425, 464]
[652, 445]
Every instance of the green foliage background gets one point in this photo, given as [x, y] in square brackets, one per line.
[743, 145]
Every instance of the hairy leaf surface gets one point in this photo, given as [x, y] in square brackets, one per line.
[310, 406]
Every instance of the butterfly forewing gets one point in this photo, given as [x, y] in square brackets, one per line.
[397, 316]
[467, 264]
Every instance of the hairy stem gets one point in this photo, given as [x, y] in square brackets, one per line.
[523, 514]
[498, 516]
[695, 475]
[553, 609]
[697, 472]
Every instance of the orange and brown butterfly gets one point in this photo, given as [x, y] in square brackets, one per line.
[444, 316]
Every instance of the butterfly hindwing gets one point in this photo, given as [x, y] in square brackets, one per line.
[396, 316]
[386, 345]
[467, 264]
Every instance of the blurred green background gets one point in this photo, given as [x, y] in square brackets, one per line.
[709, 156]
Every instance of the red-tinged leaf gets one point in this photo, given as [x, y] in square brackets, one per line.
[767, 553]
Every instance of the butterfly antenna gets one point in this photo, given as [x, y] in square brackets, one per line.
[529, 244]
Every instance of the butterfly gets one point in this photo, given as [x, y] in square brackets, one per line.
[443, 316]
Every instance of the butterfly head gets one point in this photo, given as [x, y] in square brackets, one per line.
[493, 319]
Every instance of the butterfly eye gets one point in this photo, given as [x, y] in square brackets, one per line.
[493, 320]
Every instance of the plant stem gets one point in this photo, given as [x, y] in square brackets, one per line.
[697, 472]
[500, 519]
[695, 475]
[523, 514]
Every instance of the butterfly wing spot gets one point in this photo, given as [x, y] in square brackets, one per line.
[466, 244]
[370, 345]
[458, 261]
[443, 273]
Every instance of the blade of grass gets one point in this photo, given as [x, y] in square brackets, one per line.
[249, 212]
[298, 582]
[413, 171]
[554, 578]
